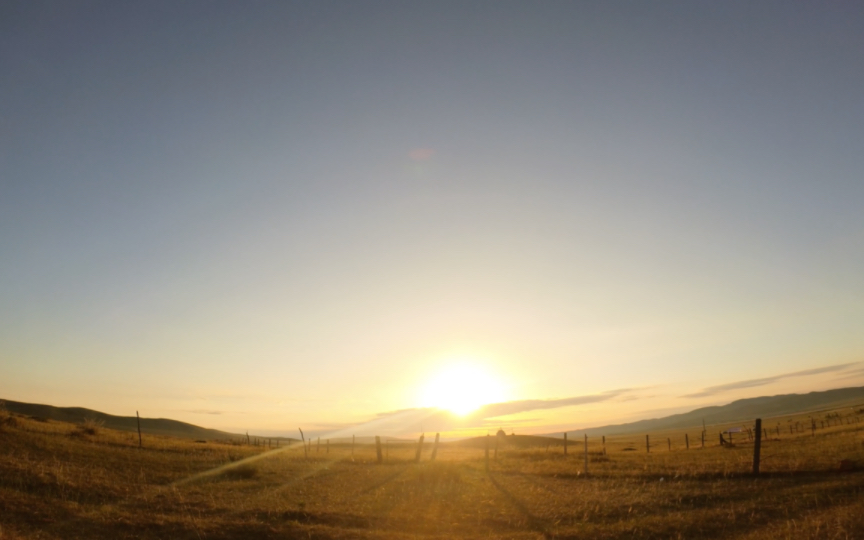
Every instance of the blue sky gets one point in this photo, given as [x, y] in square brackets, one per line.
[245, 215]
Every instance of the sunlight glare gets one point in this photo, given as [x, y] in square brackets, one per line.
[462, 388]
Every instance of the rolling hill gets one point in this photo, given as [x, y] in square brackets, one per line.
[740, 410]
[154, 426]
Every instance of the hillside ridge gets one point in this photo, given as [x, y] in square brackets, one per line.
[740, 410]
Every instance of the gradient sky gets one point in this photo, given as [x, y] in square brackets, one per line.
[259, 215]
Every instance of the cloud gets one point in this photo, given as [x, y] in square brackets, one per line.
[430, 420]
[513, 407]
[852, 373]
[720, 388]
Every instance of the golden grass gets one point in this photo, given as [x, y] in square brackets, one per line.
[57, 481]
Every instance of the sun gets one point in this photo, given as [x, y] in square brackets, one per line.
[462, 388]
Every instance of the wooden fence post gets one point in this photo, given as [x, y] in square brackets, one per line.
[303, 440]
[487, 452]
[139, 429]
[419, 448]
[565, 443]
[327, 451]
[703, 438]
[647, 445]
[378, 448]
[435, 447]
[586, 454]
[687, 441]
[318, 445]
[604, 445]
[247, 438]
[669, 442]
[757, 447]
[353, 438]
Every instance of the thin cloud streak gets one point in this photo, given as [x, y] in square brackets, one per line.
[513, 407]
[720, 388]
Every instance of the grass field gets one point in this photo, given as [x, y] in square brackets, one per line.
[60, 480]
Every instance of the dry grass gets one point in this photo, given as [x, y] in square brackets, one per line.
[53, 485]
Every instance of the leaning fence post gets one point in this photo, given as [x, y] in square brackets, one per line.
[303, 440]
[139, 429]
[757, 447]
[419, 448]
[435, 447]
[378, 447]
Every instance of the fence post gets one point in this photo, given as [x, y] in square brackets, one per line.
[703, 438]
[647, 445]
[378, 448]
[419, 448]
[247, 438]
[139, 429]
[757, 447]
[687, 441]
[604, 445]
[435, 447]
[487, 452]
[303, 440]
[318, 445]
[565, 443]
[353, 438]
[327, 450]
[586, 454]
[669, 442]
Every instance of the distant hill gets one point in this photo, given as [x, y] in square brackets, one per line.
[740, 410]
[153, 426]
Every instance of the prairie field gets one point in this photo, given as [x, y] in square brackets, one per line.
[64, 481]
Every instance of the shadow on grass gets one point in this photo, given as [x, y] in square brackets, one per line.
[383, 482]
[534, 523]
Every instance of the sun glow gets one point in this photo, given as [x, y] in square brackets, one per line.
[462, 388]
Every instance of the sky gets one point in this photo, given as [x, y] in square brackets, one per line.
[341, 215]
